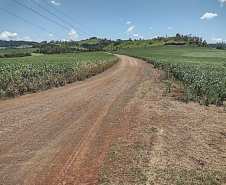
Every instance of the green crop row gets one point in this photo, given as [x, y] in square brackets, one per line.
[201, 70]
[20, 76]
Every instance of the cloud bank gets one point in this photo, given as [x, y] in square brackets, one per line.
[7, 36]
[217, 39]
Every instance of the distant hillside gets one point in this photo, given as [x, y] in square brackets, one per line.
[158, 41]
[221, 45]
[94, 44]
[15, 44]
[92, 40]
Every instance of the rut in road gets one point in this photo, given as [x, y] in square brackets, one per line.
[58, 136]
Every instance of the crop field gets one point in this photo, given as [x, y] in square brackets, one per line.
[201, 70]
[19, 76]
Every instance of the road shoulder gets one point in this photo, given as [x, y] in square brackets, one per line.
[166, 141]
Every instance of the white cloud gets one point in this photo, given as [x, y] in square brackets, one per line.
[73, 35]
[50, 34]
[151, 28]
[8, 36]
[24, 39]
[128, 22]
[155, 37]
[217, 39]
[130, 30]
[55, 3]
[223, 2]
[12, 36]
[141, 37]
[170, 28]
[209, 15]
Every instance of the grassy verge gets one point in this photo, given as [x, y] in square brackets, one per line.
[175, 143]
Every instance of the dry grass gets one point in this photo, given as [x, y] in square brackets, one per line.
[184, 143]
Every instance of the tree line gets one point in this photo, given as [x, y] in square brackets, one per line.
[183, 39]
[13, 55]
[57, 47]
[14, 44]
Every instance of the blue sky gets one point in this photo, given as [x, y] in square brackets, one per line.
[116, 19]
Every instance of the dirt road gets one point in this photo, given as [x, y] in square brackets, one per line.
[58, 136]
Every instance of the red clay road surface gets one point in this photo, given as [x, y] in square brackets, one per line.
[57, 136]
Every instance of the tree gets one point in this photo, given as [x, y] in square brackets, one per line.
[197, 41]
[177, 35]
[204, 43]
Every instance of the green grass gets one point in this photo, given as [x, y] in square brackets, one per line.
[19, 76]
[132, 44]
[120, 165]
[89, 41]
[9, 51]
[144, 43]
[37, 54]
[24, 46]
[201, 70]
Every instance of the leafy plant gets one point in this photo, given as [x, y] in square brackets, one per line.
[19, 76]
[201, 70]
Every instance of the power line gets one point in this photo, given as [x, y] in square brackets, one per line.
[59, 18]
[46, 17]
[32, 24]
[68, 17]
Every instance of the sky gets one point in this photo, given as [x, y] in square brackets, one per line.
[113, 19]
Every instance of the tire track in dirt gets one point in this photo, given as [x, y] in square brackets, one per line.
[74, 155]
[56, 136]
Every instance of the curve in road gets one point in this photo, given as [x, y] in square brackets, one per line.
[58, 136]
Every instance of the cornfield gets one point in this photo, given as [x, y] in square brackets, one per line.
[20, 76]
[201, 70]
